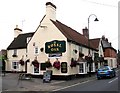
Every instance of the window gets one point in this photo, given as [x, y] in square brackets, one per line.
[14, 53]
[64, 67]
[81, 68]
[15, 65]
[80, 49]
[36, 69]
[43, 66]
[36, 50]
[28, 39]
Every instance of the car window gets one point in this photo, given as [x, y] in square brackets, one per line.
[104, 68]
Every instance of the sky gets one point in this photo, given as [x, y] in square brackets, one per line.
[27, 14]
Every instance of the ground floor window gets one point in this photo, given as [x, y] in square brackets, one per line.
[15, 65]
[36, 69]
[105, 62]
[43, 66]
[92, 66]
[64, 67]
[81, 68]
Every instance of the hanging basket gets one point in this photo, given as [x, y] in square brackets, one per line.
[48, 64]
[56, 65]
[21, 62]
[35, 63]
[73, 63]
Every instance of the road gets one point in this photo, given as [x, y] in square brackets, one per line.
[10, 83]
[94, 85]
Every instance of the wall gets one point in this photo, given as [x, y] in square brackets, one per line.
[20, 53]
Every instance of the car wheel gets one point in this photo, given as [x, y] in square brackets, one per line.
[98, 78]
[114, 74]
[111, 76]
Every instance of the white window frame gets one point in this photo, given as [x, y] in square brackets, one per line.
[84, 68]
[36, 52]
[15, 52]
[14, 63]
[35, 72]
[81, 70]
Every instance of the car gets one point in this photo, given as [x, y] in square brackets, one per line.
[105, 71]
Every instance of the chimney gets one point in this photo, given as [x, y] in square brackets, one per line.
[17, 31]
[106, 39]
[85, 32]
[103, 37]
[50, 11]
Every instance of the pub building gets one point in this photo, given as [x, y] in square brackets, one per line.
[53, 46]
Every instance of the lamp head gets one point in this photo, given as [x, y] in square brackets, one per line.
[96, 19]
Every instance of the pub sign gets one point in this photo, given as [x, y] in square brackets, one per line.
[55, 46]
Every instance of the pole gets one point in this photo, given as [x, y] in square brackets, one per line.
[89, 55]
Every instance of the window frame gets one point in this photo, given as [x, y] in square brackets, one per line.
[36, 50]
[16, 64]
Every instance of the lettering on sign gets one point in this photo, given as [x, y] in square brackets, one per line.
[55, 46]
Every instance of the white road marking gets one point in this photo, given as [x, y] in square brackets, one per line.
[72, 85]
[58, 82]
[113, 80]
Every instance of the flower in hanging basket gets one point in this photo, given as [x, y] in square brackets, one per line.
[56, 64]
[21, 62]
[35, 63]
[48, 64]
[73, 63]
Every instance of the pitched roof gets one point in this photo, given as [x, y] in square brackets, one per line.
[95, 42]
[107, 45]
[20, 42]
[72, 35]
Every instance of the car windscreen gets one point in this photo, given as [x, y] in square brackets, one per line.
[103, 68]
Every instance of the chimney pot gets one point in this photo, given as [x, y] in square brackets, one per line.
[17, 31]
[85, 32]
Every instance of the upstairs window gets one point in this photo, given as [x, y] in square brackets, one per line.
[36, 50]
[14, 53]
[28, 39]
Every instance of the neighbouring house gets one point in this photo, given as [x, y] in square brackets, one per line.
[118, 58]
[54, 46]
[110, 54]
[17, 51]
[3, 59]
[107, 54]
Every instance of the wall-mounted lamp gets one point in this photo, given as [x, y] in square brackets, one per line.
[42, 49]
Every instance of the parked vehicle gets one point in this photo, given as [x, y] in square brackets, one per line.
[105, 71]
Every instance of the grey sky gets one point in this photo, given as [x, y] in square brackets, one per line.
[27, 14]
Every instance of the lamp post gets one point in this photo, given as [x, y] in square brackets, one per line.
[89, 55]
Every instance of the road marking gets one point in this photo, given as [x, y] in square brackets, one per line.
[117, 70]
[72, 85]
[58, 82]
[113, 80]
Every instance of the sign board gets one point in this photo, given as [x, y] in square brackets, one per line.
[55, 46]
[55, 55]
[47, 76]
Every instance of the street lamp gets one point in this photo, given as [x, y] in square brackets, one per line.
[89, 55]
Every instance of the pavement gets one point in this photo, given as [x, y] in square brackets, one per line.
[10, 82]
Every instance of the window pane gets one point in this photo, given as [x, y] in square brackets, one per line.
[81, 69]
[36, 70]
[14, 65]
[15, 52]
[36, 50]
